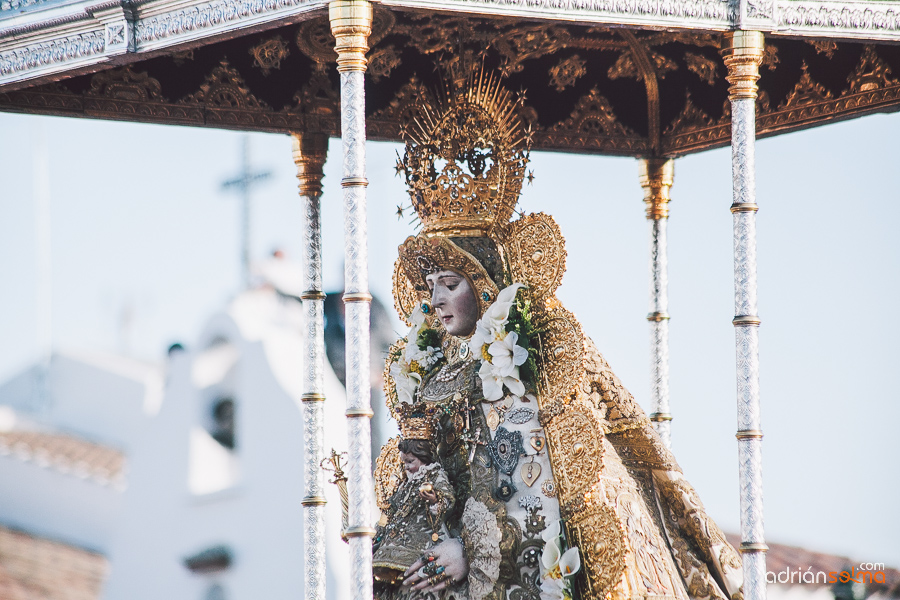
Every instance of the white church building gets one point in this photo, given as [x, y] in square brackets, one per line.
[177, 482]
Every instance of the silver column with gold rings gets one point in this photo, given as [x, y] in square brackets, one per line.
[309, 152]
[351, 24]
[656, 177]
[743, 53]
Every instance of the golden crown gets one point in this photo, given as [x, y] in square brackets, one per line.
[465, 157]
[417, 421]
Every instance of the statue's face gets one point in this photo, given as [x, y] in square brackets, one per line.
[454, 300]
[411, 463]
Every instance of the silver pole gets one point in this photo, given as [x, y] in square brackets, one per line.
[309, 152]
[656, 177]
[743, 51]
[351, 24]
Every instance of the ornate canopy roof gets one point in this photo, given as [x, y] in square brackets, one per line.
[589, 86]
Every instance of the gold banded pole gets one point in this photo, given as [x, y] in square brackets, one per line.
[309, 152]
[656, 177]
[743, 53]
[351, 24]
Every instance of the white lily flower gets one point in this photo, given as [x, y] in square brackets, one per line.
[405, 381]
[552, 589]
[490, 385]
[549, 557]
[570, 562]
[492, 324]
[492, 382]
[552, 531]
[506, 355]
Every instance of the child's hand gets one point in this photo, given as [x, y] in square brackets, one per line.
[426, 491]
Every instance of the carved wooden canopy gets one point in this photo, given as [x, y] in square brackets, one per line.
[587, 89]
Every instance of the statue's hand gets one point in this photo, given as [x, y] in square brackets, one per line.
[448, 554]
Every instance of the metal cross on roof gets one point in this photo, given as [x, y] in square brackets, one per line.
[243, 185]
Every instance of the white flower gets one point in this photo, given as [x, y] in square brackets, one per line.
[412, 351]
[549, 557]
[570, 562]
[491, 326]
[506, 356]
[552, 532]
[492, 382]
[429, 357]
[552, 589]
[405, 381]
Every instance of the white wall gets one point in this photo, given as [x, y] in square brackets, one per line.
[260, 516]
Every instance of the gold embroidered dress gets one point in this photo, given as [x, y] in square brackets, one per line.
[572, 444]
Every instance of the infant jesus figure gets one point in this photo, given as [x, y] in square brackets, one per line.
[415, 519]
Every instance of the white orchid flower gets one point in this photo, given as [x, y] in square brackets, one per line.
[570, 562]
[552, 531]
[506, 355]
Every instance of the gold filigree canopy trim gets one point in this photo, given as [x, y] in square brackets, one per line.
[465, 157]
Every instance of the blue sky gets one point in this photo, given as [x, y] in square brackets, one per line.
[139, 223]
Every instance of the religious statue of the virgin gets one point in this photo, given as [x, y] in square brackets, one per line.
[560, 486]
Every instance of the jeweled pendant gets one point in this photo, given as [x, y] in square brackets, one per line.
[493, 419]
[463, 350]
[530, 473]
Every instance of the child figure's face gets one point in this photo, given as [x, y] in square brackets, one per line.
[411, 462]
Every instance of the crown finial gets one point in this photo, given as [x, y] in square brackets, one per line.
[466, 156]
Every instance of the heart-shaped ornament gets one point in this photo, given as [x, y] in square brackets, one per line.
[530, 473]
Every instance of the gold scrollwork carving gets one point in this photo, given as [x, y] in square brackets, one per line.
[269, 54]
[536, 252]
[404, 295]
[561, 344]
[125, 84]
[704, 68]
[593, 114]
[625, 66]
[598, 533]
[565, 73]
[871, 73]
[388, 472]
[806, 91]
[576, 449]
[224, 88]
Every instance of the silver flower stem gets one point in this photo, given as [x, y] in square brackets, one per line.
[309, 151]
[656, 177]
[743, 51]
[351, 24]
